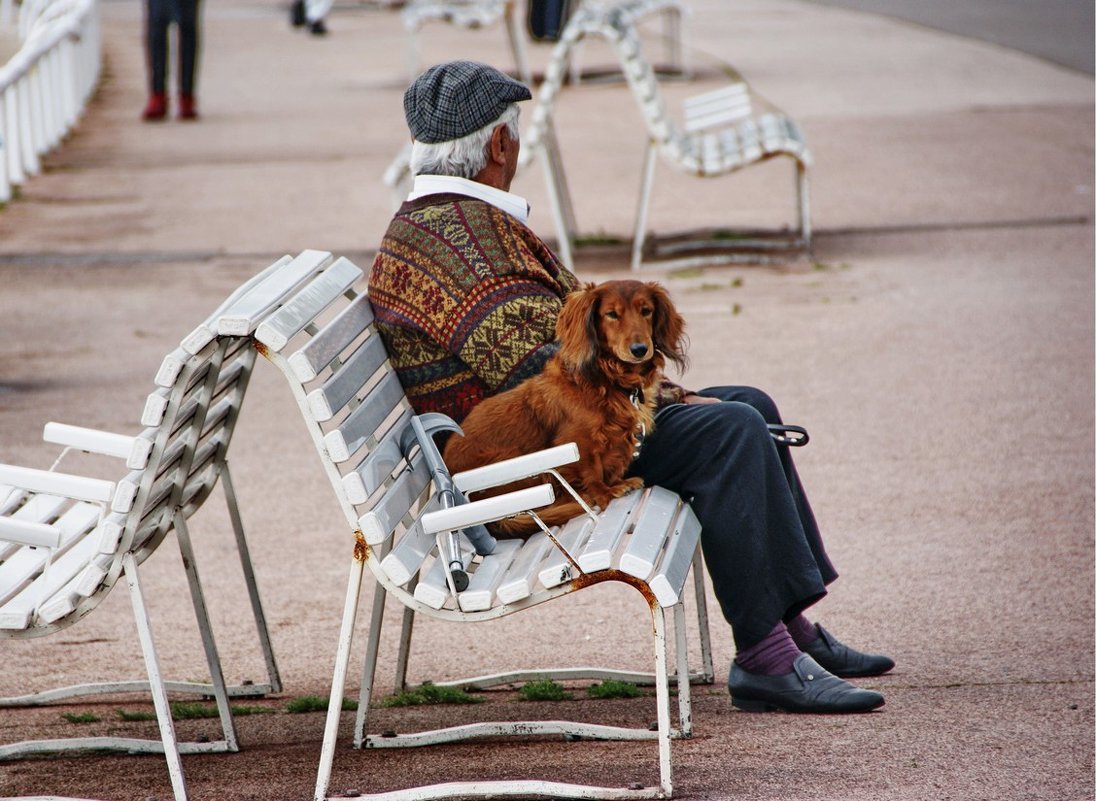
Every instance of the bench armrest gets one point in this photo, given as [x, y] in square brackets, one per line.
[135, 450]
[488, 510]
[531, 464]
[24, 532]
[80, 488]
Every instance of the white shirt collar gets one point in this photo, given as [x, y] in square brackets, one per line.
[512, 204]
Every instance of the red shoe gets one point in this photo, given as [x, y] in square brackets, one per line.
[188, 109]
[156, 108]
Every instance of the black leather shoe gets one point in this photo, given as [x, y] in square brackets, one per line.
[808, 688]
[840, 660]
[317, 28]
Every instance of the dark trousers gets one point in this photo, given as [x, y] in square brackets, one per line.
[760, 541]
[161, 13]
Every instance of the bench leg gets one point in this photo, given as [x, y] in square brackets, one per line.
[702, 618]
[662, 694]
[201, 611]
[559, 196]
[639, 236]
[803, 196]
[155, 679]
[403, 658]
[338, 680]
[684, 686]
[369, 669]
[263, 630]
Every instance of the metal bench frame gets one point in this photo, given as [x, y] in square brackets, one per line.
[324, 344]
[175, 463]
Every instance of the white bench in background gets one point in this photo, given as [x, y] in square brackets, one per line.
[324, 343]
[723, 131]
[66, 540]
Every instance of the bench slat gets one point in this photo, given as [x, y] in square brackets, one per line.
[651, 530]
[611, 527]
[276, 331]
[379, 522]
[361, 423]
[481, 588]
[520, 579]
[669, 579]
[338, 390]
[432, 589]
[17, 571]
[16, 613]
[40, 508]
[572, 536]
[65, 599]
[336, 336]
[245, 313]
[377, 467]
[404, 561]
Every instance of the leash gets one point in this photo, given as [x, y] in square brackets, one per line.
[636, 397]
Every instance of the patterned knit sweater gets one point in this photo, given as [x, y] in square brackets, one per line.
[466, 299]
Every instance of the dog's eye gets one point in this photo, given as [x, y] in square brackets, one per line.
[645, 311]
[612, 315]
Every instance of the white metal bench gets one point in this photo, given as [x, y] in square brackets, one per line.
[324, 343]
[66, 539]
[468, 14]
[723, 131]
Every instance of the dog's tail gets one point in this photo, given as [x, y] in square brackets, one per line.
[524, 526]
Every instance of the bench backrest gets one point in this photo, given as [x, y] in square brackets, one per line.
[175, 462]
[722, 130]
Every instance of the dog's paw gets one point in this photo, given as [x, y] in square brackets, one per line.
[626, 486]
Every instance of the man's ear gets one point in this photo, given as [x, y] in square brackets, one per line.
[500, 144]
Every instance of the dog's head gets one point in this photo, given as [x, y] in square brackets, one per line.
[629, 322]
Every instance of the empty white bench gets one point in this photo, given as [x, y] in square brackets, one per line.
[723, 131]
[66, 540]
[324, 343]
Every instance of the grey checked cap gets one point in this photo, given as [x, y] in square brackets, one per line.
[453, 99]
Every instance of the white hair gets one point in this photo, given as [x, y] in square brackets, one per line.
[464, 157]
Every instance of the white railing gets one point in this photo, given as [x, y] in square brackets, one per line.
[45, 85]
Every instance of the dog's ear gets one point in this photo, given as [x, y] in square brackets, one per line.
[576, 329]
[669, 327]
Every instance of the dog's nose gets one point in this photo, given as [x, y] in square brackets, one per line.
[639, 350]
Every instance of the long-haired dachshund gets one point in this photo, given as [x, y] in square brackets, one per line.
[597, 391]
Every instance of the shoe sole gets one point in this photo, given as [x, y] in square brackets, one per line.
[756, 706]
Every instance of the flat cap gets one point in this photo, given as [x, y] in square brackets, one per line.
[453, 99]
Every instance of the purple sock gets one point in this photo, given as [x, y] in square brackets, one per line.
[775, 655]
[802, 630]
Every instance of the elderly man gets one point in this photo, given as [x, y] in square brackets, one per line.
[466, 297]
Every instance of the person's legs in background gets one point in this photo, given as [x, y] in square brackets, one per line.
[310, 13]
[158, 15]
[189, 45]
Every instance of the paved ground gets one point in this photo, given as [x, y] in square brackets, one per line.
[939, 347]
[1060, 31]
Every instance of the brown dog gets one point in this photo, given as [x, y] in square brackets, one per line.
[597, 391]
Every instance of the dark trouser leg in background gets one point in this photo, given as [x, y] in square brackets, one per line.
[188, 45]
[158, 16]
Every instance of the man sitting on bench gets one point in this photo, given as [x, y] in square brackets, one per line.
[466, 297]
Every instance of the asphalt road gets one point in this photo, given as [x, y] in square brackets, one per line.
[1060, 31]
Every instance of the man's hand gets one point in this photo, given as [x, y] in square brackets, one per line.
[696, 399]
